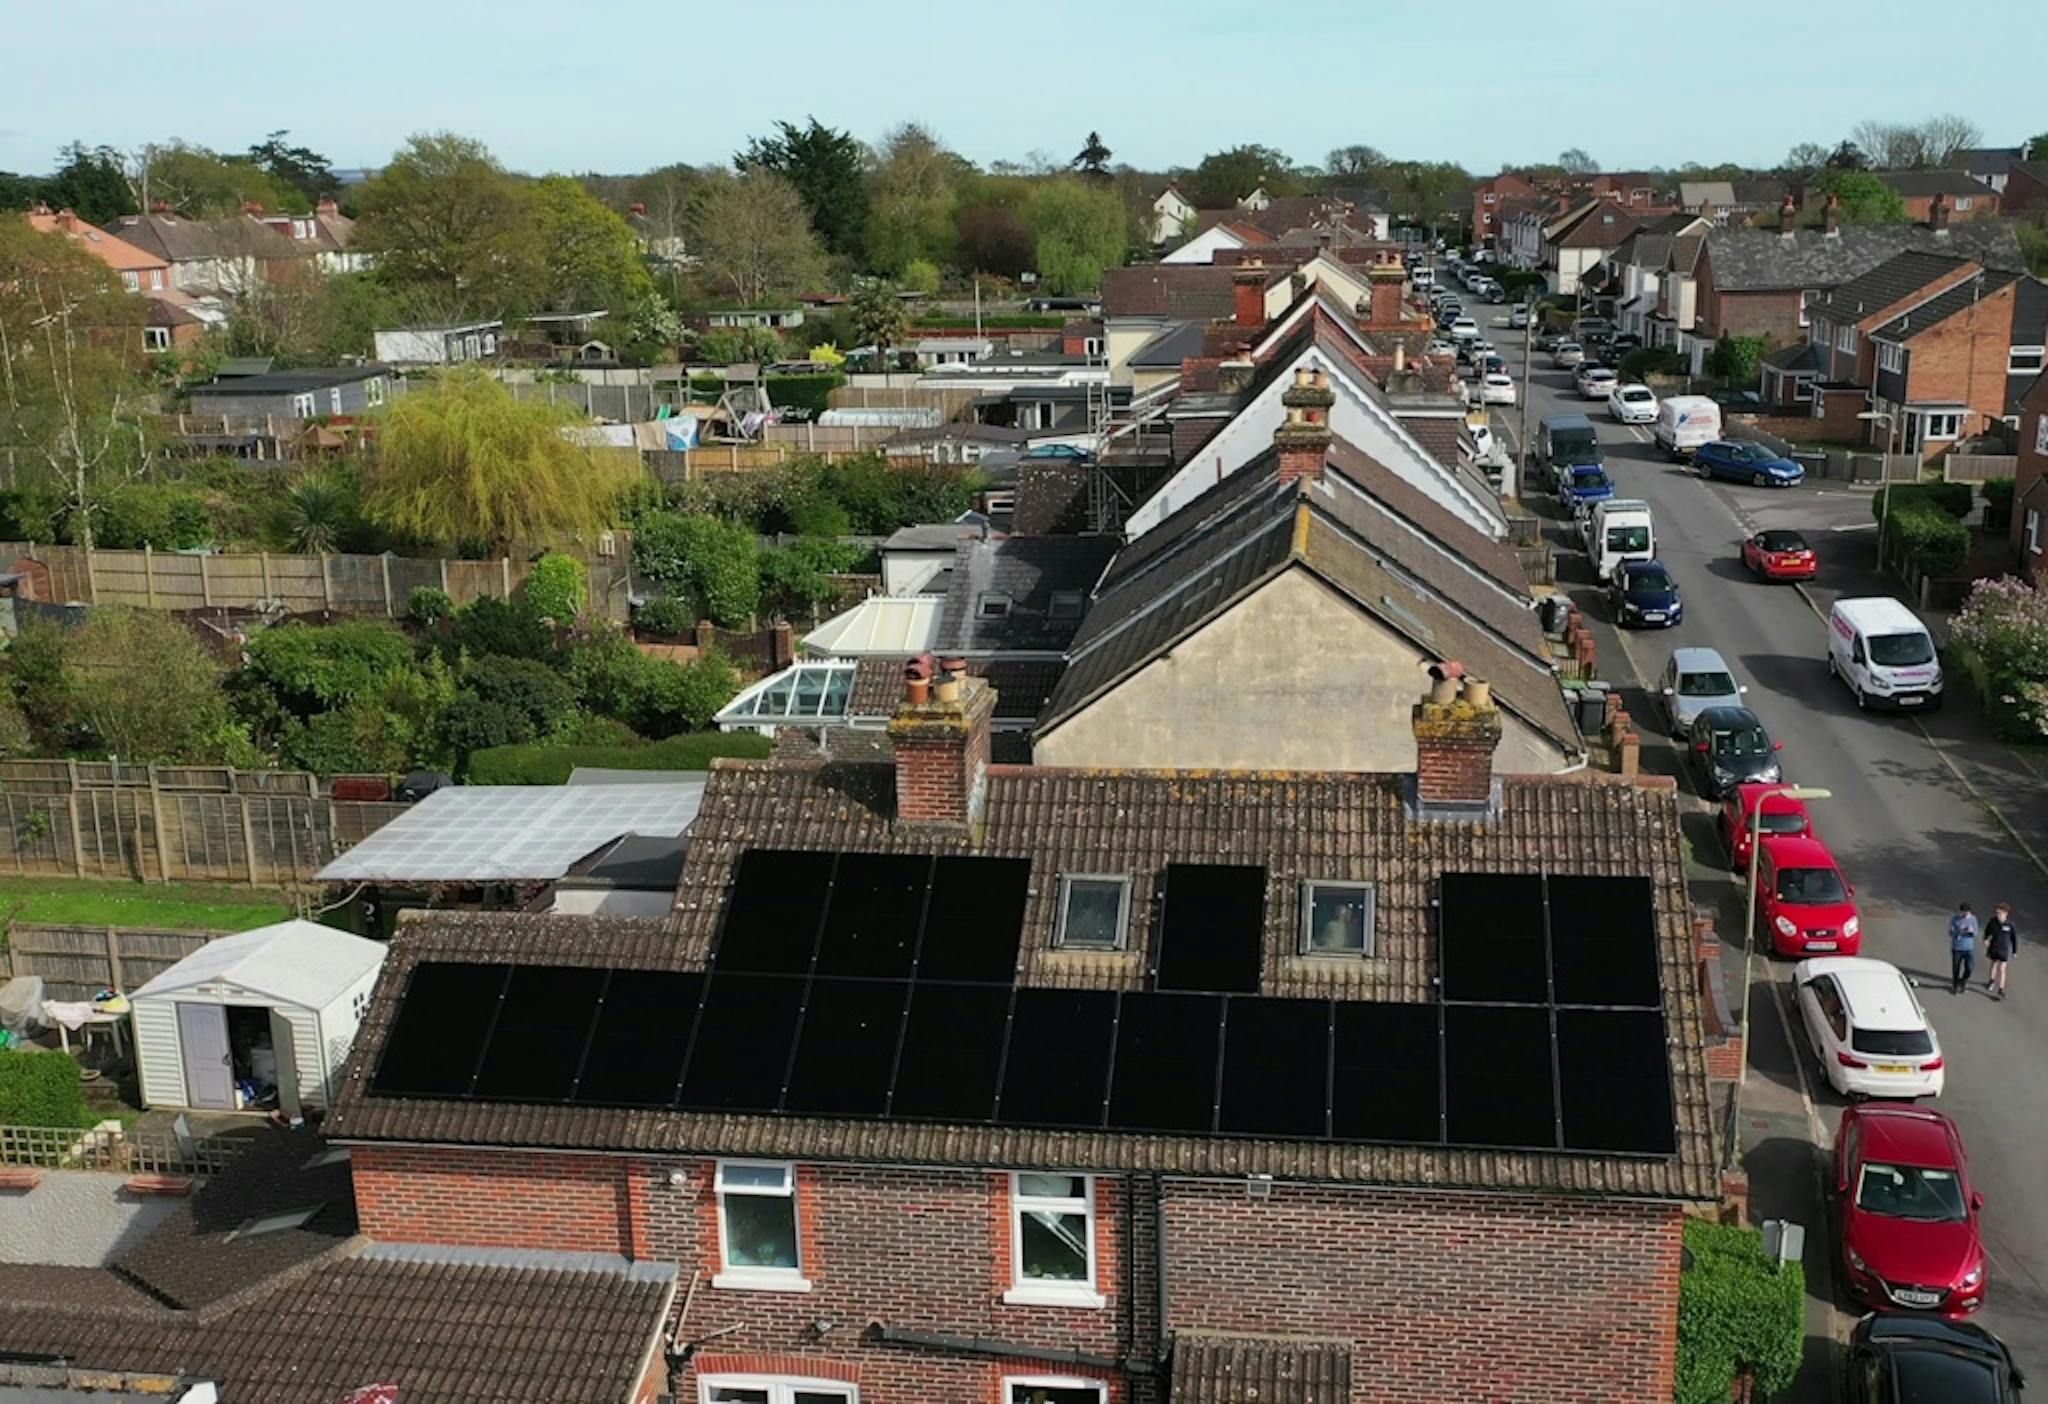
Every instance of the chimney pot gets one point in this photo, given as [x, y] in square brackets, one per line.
[1831, 214]
[1788, 214]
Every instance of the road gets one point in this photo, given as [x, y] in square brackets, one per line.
[1927, 811]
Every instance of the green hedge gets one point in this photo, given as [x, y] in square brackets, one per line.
[41, 1089]
[1997, 493]
[1926, 522]
[1736, 1310]
[1954, 499]
[550, 765]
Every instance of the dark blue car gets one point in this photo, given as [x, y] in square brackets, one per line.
[1582, 485]
[1643, 593]
[1744, 462]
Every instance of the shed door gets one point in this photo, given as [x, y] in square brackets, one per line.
[286, 1046]
[209, 1078]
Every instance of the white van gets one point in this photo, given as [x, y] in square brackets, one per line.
[1884, 653]
[1616, 530]
[1684, 422]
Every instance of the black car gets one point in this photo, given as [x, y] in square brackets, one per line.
[1728, 746]
[1895, 1358]
[1547, 339]
[1644, 593]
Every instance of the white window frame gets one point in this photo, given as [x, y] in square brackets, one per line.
[1963, 202]
[2033, 532]
[1013, 1383]
[1891, 356]
[334, 399]
[2036, 356]
[373, 391]
[746, 1277]
[994, 604]
[302, 406]
[1487, 198]
[1802, 389]
[1123, 910]
[1372, 904]
[132, 281]
[156, 279]
[156, 338]
[1816, 327]
[781, 1389]
[1025, 1291]
[1845, 337]
[1940, 427]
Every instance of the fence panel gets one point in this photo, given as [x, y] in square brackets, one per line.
[125, 1151]
[77, 961]
[1979, 467]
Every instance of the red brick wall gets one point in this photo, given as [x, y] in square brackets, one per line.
[2033, 466]
[498, 1199]
[1768, 314]
[1963, 360]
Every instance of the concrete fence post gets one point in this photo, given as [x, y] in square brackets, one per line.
[149, 573]
[390, 611]
[205, 585]
[326, 583]
[264, 558]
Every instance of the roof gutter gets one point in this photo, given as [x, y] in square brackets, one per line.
[983, 1345]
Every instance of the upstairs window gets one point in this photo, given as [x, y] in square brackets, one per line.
[1891, 356]
[1052, 1231]
[2024, 360]
[757, 1226]
[764, 1389]
[1845, 338]
[1066, 604]
[1094, 912]
[1337, 919]
[302, 406]
[131, 281]
[373, 390]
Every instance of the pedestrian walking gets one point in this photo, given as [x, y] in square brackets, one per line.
[2001, 940]
[1962, 948]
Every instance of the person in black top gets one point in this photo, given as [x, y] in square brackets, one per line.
[2000, 941]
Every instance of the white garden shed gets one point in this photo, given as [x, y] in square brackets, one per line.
[276, 1007]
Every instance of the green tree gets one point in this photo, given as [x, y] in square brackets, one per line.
[921, 275]
[460, 460]
[911, 200]
[825, 167]
[878, 316]
[543, 699]
[1738, 359]
[445, 218]
[1805, 156]
[141, 686]
[1093, 158]
[1354, 162]
[2037, 147]
[1847, 156]
[669, 698]
[995, 239]
[753, 233]
[312, 668]
[18, 192]
[318, 511]
[1865, 199]
[302, 168]
[557, 588]
[593, 260]
[730, 346]
[1225, 177]
[1081, 230]
[200, 183]
[92, 183]
[716, 562]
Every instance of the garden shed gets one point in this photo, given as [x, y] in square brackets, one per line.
[257, 1020]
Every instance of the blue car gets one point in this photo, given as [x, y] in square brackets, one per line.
[1744, 462]
[1644, 593]
[1579, 487]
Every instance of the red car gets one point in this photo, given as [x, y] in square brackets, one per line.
[1909, 1217]
[1780, 555]
[1803, 901]
[1783, 816]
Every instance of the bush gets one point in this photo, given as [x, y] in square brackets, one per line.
[672, 697]
[1952, 499]
[530, 690]
[1736, 1310]
[666, 616]
[41, 1089]
[821, 517]
[151, 514]
[1738, 360]
[1933, 541]
[797, 578]
[472, 724]
[811, 392]
[727, 346]
[550, 765]
[428, 606]
[1646, 361]
[920, 275]
[715, 561]
[556, 588]
[2003, 627]
[1997, 494]
[494, 626]
[314, 666]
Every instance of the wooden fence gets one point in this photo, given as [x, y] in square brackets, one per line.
[76, 962]
[1979, 467]
[110, 1147]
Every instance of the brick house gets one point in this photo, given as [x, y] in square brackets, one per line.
[1962, 195]
[1488, 197]
[1050, 1118]
[2026, 188]
[2030, 498]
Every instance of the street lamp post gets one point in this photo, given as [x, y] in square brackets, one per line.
[1884, 475]
[1756, 843]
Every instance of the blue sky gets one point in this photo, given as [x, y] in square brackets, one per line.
[621, 85]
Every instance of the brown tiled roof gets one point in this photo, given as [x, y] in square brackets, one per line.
[1197, 291]
[1438, 434]
[1299, 825]
[1021, 684]
[1225, 1369]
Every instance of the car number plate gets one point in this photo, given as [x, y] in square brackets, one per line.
[1654, 615]
[1910, 701]
[1820, 945]
[1910, 1297]
[1895, 1067]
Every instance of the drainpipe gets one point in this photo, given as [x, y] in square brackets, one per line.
[1164, 1347]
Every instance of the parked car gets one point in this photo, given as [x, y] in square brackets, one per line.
[1883, 653]
[1580, 485]
[1548, 337]
[1567, 354]
[1643, 593]
[1439, 347]
[1803, 903]
[1592, 326]
[1728, 746]
[1910, 1238]
[1894, 1357]
[1694, 680]
[1518, 316]
[1497, 388]
[1872, 1038]
[1495, 293]
[1744, 462]
[1492, 364]
[1464, 329]
[1632, 404]
[1594, 382]
[1780, 555]
[1782, 816]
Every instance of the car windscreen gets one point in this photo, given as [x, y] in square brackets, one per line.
[1781, 821]
[1937, 1377]
[1709, 684]
[1811, 887]
[1628, 538]
[1901, 650]
[1910, 1192]
[1649, 582]
[1914, 1043]
[1637, 397]
[1589, 480]
[1781, 541]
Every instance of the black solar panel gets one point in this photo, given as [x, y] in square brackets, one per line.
[1603, 941]
[846, 1048]
[1212, 932]
[952, 1052]
[1497, 1087]
[437, 1035]
[1491, 937]
[872, 922]
[1387, 1075]
[1165, 1074]
[1276, 1067]
[543, 1026]
[643, 1032]
[1614, 1075]
[974, 921]
[1056, 1072]
[772, 919]
[741, 1053]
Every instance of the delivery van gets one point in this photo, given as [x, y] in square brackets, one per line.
[1684, 422]
[1884, 653]
[1618, 530]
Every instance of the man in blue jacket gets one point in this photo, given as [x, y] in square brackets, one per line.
[1962, 948]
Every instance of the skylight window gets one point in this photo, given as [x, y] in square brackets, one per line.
[1094, 912]
[1066, 604]
[994, 604]
[275, 1223]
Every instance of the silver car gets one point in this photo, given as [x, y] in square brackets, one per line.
[1694, 680]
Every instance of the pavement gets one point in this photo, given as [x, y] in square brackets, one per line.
[1928, 810]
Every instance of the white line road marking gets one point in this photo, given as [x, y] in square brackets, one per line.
[1855, 526]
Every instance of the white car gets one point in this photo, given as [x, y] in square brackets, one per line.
[1867, 1029]
[1497, 389]
[1632, 404]
[1595, 382]
[1464, 329]
[1439, 347]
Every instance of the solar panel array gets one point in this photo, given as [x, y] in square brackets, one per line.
[884, 987]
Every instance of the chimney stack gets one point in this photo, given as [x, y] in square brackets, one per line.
[250, 207]
[940, 735]
[1457, 728]
[160, 207]
[1387, 281]
[1249, 285]
[1831, 215]
[1937, 212]
[1304, 437]
[1234, 374]
[327, 206]
[636, 209]
[1788, 214]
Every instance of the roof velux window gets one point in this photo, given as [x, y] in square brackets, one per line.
[276, 1223]
[1094, 912]
[1066, 604]
[1336, 919]
[994, 604]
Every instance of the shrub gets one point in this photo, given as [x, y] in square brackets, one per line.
[797, 578]
[428, 606]
[726, 346]
[821, 517]
[1738, 360]
[1933, 541]
[2004, 627]
[1954, 499]
[714, 560]
[1736, 1310]
[1646, 361]
[556, 588]
[472, 724]
[314, 666]
[41, 1089]
[1997, 493]
[550, 765]
[495, 626]
[151, 514]
[666, 616]
[671, 697]
[920, 275]
[533, 691]
[811, 392]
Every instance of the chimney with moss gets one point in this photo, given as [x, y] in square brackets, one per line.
[1457, 728]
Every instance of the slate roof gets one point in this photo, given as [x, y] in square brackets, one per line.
[1213, 1368]
[1718, 193]
[1022, 686]
[289, 382]
[1600, 227]
[1355, 826]
[1028, 569]
[176, 239]
[1935, 310]
[1920, 185]
[1761, 260]
[1894, 280]
[1171, 345]
[1439, 434]
[1794, 356]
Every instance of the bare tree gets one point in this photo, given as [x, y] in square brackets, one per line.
[1942, 138]
[1576, 162]
[1889, 146]
[754, 234]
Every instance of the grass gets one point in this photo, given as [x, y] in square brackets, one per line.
[183, 906]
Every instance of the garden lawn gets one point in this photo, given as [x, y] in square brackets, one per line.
[183, 906]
